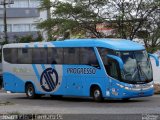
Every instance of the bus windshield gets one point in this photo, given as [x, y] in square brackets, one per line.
[137, 67]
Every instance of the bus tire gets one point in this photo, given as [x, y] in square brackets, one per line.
[97, 94]
[30, 91]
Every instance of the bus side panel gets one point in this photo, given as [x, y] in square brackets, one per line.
[8, 82]
[13, 83]
[79, 79]
[61, 80]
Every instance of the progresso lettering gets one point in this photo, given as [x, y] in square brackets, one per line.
[81, 70]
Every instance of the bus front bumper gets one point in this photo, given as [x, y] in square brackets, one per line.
[119, 92]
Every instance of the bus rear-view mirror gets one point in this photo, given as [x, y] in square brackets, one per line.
[155, 58]
[118, 59]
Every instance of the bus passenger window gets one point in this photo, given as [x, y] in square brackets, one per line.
[71, 55]
[24, 55]
[88, 57]
[10, 55]
[7, 54]
[39, 56]
[55, 55]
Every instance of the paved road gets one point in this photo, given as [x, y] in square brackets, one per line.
[18, 103]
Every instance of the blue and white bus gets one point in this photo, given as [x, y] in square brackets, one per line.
[98, 68]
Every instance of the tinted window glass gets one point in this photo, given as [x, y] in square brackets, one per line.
[10, 55]
[7, 54]
[112, 68]
[39, 56]
[103, 52]
[88, 57]
[24, 56]
[71, 56]
[111, 65]
[55, 55]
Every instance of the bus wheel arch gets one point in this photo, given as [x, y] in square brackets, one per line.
[30, 90]
[96, 93]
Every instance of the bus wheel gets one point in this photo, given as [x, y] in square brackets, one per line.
[30, 91]
[97, 94]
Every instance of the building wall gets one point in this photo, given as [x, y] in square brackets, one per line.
[22, 17]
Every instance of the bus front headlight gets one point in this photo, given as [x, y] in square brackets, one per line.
[121, 86]
[127, 88]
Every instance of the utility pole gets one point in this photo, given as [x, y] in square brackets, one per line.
[4, 3]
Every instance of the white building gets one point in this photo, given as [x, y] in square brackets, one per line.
[21, 18]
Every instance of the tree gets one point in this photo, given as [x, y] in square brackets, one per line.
[46, 5]
[82, 15]
[29, 38]
[127, 18]
[131, 16]
[151, 32]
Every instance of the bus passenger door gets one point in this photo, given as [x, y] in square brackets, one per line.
[113, 71]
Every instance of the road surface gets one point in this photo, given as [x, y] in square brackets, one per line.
[81, 108]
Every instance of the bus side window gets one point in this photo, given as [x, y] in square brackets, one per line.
[88, 57]
[71, 56]
[7, 54]
[10, 55]
[24, 55]
[39, 56]
[52, 53]
[55, 55]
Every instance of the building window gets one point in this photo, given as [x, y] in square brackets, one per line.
[35, 3]
[1, 28]
[34, 27]
[21, 27]
[24, 4]
[9, 28]
[20, 4]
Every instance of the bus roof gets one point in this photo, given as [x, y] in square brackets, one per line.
[115, 44]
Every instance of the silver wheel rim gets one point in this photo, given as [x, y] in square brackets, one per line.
[96, 93]
[30, 91]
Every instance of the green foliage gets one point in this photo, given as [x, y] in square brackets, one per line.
[45, 4]
[29, 38]
[68, 16]
[39, 37]
[128, 18]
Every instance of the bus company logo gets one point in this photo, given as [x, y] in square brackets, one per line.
[49, 79]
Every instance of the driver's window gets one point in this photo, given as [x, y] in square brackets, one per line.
[103, 53]
[110, 65]
[112, 68]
